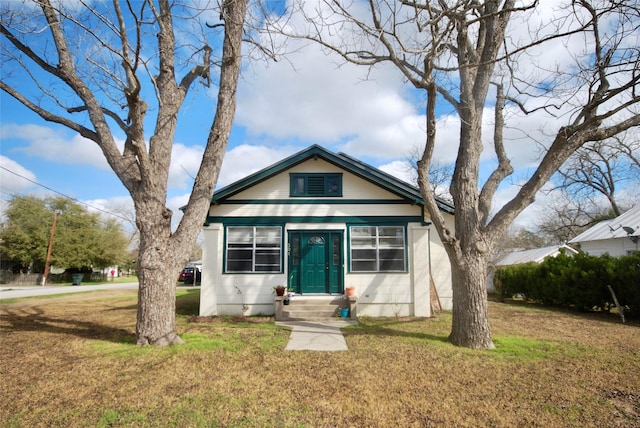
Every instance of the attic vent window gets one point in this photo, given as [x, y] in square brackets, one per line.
[316, 184]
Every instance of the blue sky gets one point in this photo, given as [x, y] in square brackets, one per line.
[283, 107]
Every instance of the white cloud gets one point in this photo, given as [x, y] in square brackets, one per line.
[311, 97]
[317, 98]
[55, 145]
[14, 178]
[119, 206]
[185, 161]
[401, 170]
[246, 159]
[318, 101]
[528, 218]
[372, 112]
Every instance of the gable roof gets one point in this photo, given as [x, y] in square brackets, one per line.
[346, 162]
[535, 255]
[624, 226]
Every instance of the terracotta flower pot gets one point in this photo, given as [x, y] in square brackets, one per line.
[280, 291]
[350, 291]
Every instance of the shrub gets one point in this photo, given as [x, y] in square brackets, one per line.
[578, 282]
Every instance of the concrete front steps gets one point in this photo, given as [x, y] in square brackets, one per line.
[313, 308]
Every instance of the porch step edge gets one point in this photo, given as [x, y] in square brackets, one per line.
[311, 308]
[309, 314]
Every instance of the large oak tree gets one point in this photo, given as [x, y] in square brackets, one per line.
[106, 69]
[492, 62]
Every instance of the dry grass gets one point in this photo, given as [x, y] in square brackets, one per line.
[70, 361]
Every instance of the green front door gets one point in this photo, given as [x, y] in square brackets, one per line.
[315, 262]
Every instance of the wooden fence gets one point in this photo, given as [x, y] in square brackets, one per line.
[9, 278]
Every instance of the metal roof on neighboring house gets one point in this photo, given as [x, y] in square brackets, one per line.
[535, 255]
[623, 226]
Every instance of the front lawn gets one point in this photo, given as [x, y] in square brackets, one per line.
[71, 361]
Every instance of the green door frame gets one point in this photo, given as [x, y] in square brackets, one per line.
[311, 251]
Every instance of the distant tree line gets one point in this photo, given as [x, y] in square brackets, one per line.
[81, 240]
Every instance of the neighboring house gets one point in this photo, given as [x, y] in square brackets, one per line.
[318, 222]
[535, 255]
[616, 237]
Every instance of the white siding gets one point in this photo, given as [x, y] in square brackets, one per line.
[379, 294]
[616, 247]
[225, 294]
[278, 187]
[440, 266]
[382, 294]
[307, 210]
[211, 259]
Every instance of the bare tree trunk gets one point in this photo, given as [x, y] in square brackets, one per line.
[470, 326]
[162, 254]
[158, 269]
[138, 86]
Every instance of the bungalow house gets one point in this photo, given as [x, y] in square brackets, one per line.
[616, 237]
[318, 222]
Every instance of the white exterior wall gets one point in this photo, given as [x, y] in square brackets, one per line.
[440, 265]
[308, 210]
[225, 294]
[401, 293]
[278, 187]
[211, 255]
[379, 294]
[616, 247]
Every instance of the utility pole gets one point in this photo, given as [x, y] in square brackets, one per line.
[46, 263]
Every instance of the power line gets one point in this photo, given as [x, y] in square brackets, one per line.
[65, 196]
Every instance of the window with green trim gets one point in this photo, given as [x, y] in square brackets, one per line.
[377, 249]
[254, 249]
[316, 184]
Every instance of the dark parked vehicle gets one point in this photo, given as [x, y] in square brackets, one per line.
[188, 275]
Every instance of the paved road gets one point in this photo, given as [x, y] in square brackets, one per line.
[14, 292]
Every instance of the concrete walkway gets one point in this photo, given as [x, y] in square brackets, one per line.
[316, 335]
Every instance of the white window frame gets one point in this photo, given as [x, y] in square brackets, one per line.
[375, 248]
[255, 247]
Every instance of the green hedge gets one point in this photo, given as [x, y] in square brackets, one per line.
[578, 282]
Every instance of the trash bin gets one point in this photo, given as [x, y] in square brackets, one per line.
[76, 278]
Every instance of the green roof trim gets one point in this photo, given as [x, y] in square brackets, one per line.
[341, 160]
[351, 220]
[317, 201]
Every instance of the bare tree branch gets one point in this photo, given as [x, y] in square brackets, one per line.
[103, 57]
[504, 168]
[453, 50]
[46, 115]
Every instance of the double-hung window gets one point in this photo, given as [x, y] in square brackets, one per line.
[377, 249]
[254, 249]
